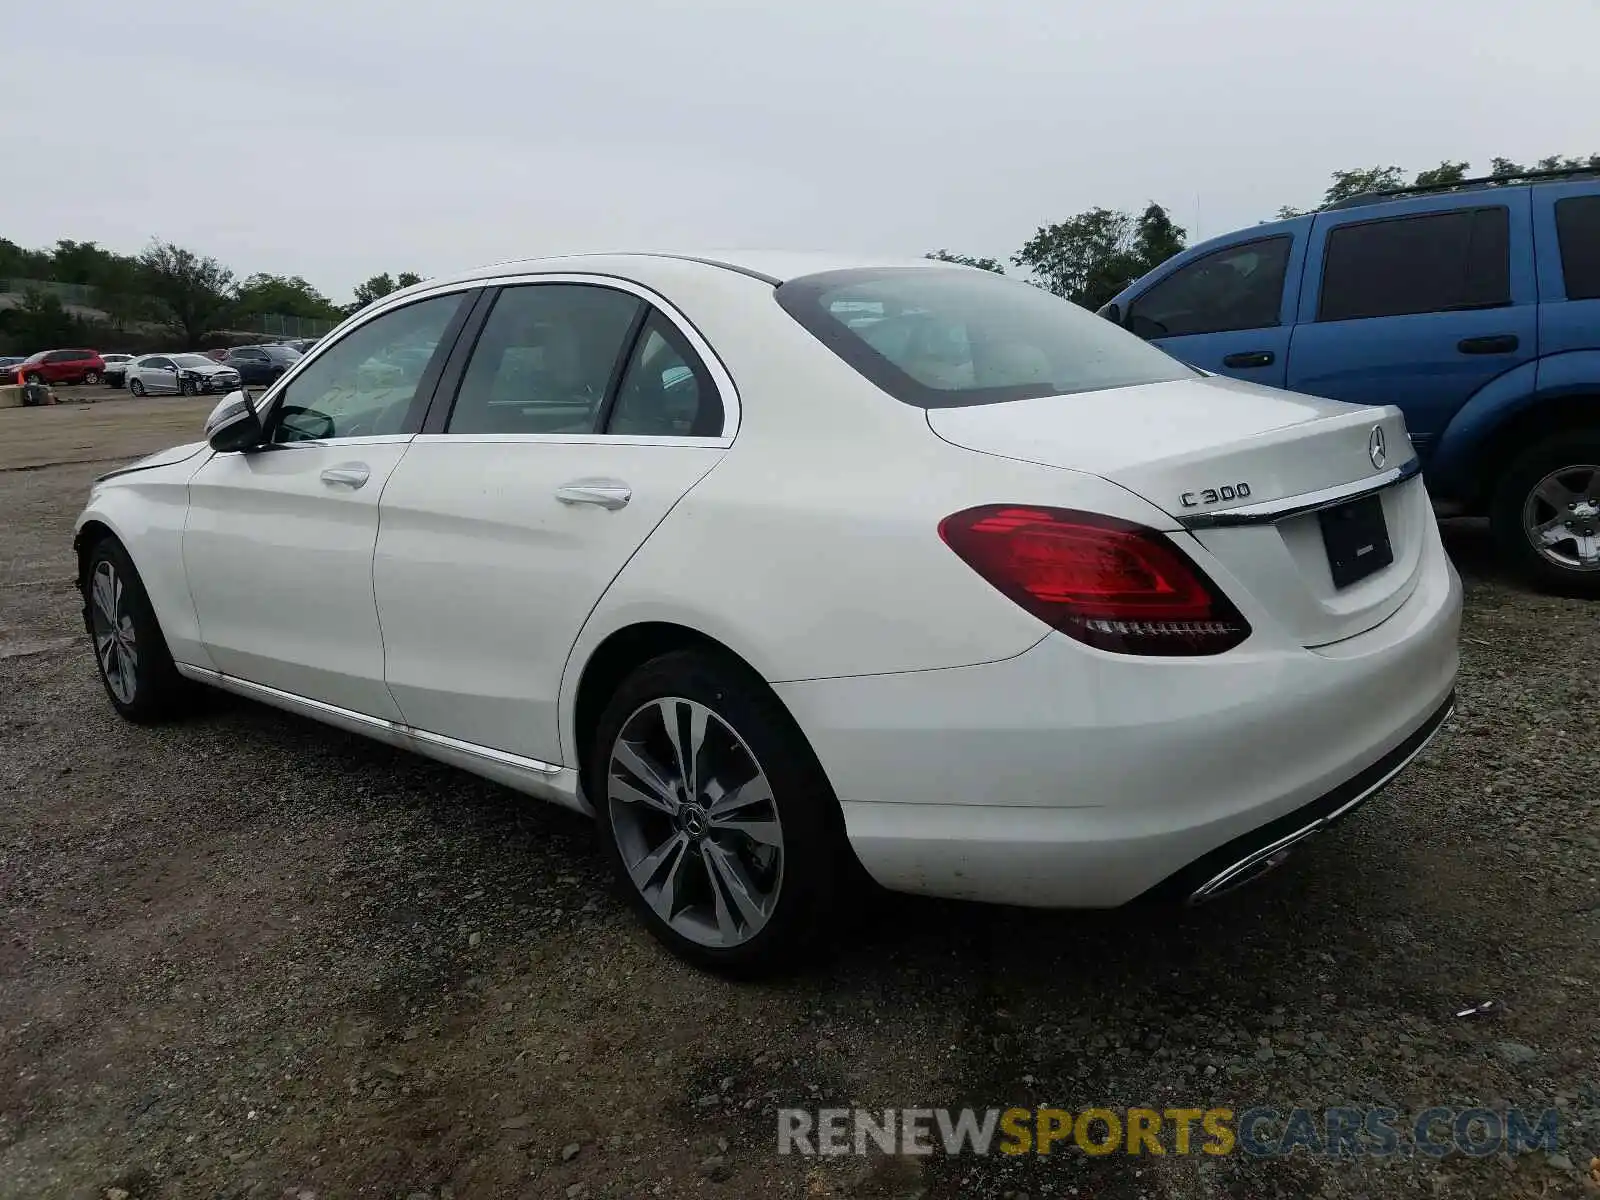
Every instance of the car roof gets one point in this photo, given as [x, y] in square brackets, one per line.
[771, 266]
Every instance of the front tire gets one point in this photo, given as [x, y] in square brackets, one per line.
[715, 816]
[136, 387]
[130, 652]
[33, 377]
[189, 388]
[91, 378]
[1545, 513]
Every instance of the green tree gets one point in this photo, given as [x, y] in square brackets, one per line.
[286, 295]
[1445, 173]
[380, 286]
[192, 291]
[1091, 257]
[967, 260]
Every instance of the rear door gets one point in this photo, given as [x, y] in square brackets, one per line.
[1226, 311]
[1566, 223]
[585, 410]
[1420, 306]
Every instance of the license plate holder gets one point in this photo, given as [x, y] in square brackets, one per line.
[1356, 537]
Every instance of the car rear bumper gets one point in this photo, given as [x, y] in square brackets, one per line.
[1067, 777]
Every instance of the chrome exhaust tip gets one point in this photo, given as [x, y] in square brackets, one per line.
[1251, 867]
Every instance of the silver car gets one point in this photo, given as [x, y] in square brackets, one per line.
[179, 374]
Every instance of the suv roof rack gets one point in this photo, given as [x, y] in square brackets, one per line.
[1465, 185]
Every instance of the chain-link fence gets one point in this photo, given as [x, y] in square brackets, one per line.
[80, 294]
[274, 325]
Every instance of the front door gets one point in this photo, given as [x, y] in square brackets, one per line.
[1227, 311]
[581, 418]
[279, 541]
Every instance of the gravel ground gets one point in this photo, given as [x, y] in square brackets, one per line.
[251, 956]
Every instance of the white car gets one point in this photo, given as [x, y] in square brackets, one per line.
[782, 564]
[179, 374]
[116, 368]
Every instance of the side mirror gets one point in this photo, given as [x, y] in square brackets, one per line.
[234, 424]
[1111, 313]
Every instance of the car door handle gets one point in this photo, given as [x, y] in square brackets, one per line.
[1499, 343]
[593, 491]
[1250, 358]
[351, 475]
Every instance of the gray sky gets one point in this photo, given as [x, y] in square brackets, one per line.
[373, 135]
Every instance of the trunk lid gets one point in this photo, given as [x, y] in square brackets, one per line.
[1216, 453]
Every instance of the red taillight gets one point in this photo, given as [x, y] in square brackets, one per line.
[1110, 583]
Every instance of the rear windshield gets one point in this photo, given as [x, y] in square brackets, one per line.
[949, 338]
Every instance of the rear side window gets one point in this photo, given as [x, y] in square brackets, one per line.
[1240, 287]
[1578, 230]
[950, 337]
[1437, 262]
[666, 390]
[544, 360]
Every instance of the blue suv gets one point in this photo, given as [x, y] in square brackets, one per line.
[1475, 308]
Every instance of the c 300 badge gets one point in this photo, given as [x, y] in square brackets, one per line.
[1215, 495]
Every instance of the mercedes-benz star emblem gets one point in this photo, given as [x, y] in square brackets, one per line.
[1376, 450]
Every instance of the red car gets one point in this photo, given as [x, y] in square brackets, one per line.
[62, 366]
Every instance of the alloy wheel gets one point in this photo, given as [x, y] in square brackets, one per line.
[116, 643]
[695, 822]
[1561, 517]
[136, 388]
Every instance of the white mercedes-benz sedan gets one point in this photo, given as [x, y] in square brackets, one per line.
[784, 566]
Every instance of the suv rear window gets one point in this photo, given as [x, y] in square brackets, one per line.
[1436, 262]
[952, 337]
[1578, 230]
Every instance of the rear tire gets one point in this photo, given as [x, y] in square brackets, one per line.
[749, 855]
[91, 377]
[1545, 513]
[136, 387]
[131, 654]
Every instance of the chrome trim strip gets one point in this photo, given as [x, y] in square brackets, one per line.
[1271, 511]
[1218, 884]
[350, 716]
[503, 757]
[494, 277]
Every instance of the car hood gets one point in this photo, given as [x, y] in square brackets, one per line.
[161, 458]
[213, 368]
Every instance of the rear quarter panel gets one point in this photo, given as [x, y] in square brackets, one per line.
[812, 549]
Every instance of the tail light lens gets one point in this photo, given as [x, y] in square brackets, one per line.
[1106, 582]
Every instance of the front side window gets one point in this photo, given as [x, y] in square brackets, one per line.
[1578, 231]
[940, 337]
[1240, 287]
[366, 383]
[1437, 262]
[544, 360]
[666, 390]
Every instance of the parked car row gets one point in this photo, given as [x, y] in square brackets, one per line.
[154, 373]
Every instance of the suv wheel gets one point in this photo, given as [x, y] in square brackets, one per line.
[1545, 513]
[33, 377]
[716, 818]
[91, 377]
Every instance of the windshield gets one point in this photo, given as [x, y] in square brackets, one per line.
[192, 360]
[286, 353]
[948, 338]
